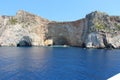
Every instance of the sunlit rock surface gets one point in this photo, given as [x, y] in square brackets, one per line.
[96, 30]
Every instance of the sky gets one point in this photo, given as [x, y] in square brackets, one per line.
[60, 10]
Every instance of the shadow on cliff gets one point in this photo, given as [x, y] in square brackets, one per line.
[60, 40]
[25, 42]
[57, 35]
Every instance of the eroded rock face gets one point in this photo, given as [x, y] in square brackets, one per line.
[96, 30]
[115, 41]
[66, 33]
[94, 40]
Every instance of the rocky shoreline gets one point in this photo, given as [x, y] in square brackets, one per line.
[96, 30]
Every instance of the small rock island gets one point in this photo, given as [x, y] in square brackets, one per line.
[96, 30]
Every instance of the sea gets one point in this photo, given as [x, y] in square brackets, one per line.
[58, 63]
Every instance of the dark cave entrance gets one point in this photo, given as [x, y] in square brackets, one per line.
[60, 41]
[25, 42]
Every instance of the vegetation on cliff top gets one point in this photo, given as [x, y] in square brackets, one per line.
[13, 21]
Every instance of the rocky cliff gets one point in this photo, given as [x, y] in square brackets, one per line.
[96, 30]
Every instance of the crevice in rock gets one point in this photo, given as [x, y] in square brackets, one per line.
[107, 45]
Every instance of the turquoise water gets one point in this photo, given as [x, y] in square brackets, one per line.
[58, 63]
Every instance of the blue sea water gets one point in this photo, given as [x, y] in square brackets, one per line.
[58, 63]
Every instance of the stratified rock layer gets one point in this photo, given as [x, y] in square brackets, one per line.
[96, 30]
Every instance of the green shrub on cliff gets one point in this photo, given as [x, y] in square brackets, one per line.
[118, 26]
[99, 26]
[13, 21]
